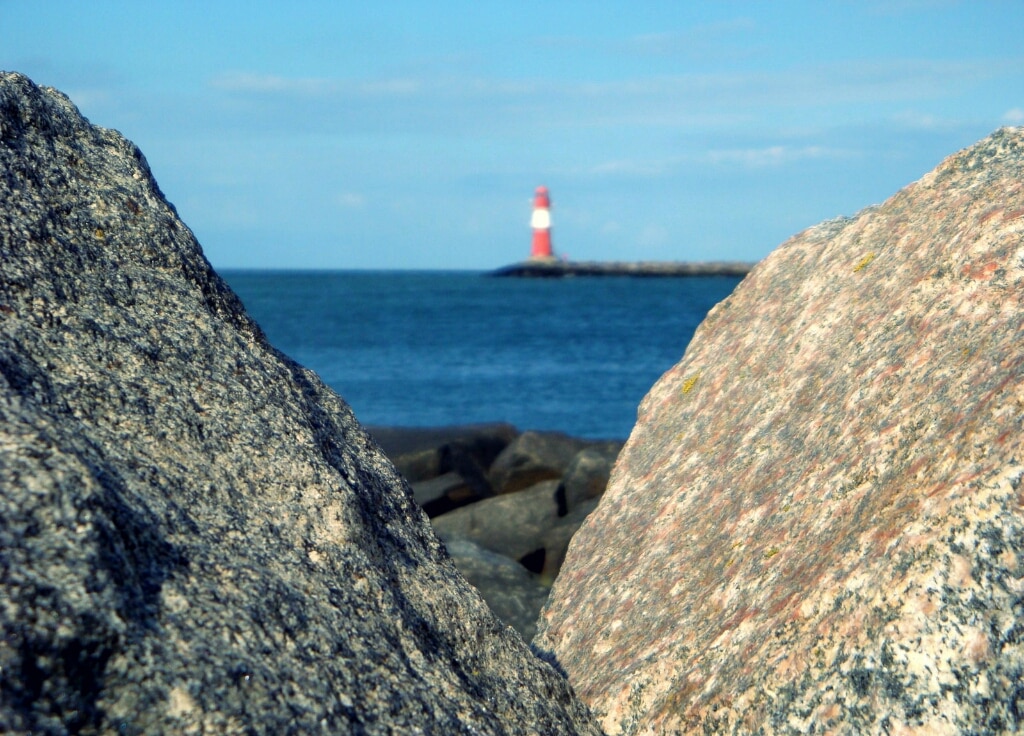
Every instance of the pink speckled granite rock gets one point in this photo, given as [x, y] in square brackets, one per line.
[816, 525]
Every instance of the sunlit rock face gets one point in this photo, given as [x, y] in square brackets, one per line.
[196, 535]
[816, 525]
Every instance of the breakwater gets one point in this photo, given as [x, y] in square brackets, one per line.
[551, 268]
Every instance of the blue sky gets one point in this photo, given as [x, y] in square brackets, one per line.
[412, 135]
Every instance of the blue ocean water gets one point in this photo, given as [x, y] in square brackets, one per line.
[431, 348]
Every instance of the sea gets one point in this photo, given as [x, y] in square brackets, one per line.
[442, 348]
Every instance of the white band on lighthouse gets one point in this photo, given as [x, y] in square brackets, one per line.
[541, 219]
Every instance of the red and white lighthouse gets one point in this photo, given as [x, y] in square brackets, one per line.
[541, 223]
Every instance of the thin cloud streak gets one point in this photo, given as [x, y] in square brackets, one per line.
[726, 39]
[777, 155]
[465, 103]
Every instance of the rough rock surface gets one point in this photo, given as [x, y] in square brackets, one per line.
[196, 536]
[816, 525]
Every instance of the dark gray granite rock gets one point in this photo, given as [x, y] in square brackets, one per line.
[518, 540]
[428, 492]
[817, 524]
[446, 465]
[196, 535]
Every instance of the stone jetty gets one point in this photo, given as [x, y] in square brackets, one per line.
[555, 268]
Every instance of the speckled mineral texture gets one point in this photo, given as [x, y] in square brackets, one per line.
[816, 525]
[196, 536]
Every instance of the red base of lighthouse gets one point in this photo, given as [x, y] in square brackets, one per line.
[541, 245]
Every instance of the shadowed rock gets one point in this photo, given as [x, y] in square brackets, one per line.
[447, 466]
[587, 475]
[531, 458]
[196, 535]
[816, 525]
[513, 592]
[513, 524]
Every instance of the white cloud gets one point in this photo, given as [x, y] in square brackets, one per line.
[424, 101]
[699, 40]
[628, 168]
[753, 157]
[86, 99]
[224, 211]
[920, 121]
[468, 104]
[262, 83]
[1014, 116]
[245, 83]
[904, 7]
[351, 200]
[723, 39]
[772, 155]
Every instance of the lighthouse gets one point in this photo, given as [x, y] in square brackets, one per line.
[541, 223]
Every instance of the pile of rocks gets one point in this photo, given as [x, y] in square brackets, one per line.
[505, 503]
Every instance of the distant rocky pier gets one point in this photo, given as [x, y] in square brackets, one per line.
[551, 268]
